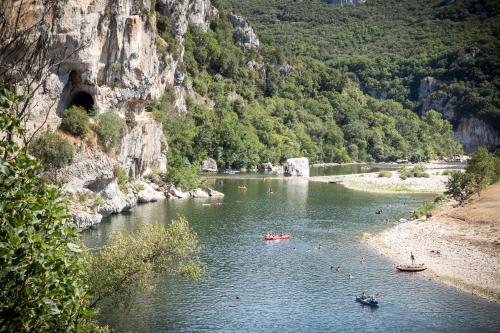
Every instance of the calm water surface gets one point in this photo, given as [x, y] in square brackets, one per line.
[289, 286]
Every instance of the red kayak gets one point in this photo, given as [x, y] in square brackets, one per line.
[276, 237]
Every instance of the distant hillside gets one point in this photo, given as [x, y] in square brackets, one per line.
[392, 45]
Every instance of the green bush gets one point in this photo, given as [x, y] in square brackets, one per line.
[52, 149]
[122, 178]
[109, 129]
[447, 172]
[75, 121]
[422, 210]
[419, 171]
[404, 173]
[385, 173]
[416, 171]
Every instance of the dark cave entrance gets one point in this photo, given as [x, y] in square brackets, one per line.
[82, 99]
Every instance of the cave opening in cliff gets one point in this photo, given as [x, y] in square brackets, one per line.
[82, 99]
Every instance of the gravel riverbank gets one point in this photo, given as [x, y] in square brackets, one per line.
[467, 238]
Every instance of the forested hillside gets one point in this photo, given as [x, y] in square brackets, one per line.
[255, 105]
[391, 45]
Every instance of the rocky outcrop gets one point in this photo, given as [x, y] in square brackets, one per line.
[115, 200]
[149, 193]
[143, 148]
[473, 132]
[177, 193]
[209, 165]
[198, 193]
[183, 13]
[110, 61]
[85, 220]
[214, 194]
[296, 167]
[431, 96]
[244, 34]
[469, 131]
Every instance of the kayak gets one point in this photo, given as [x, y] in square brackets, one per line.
[367, 301]
[276, 237]
[411, 268]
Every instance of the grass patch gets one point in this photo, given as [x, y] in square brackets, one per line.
[417, 171]
[122, 178]
[422, 210]
[385, 173]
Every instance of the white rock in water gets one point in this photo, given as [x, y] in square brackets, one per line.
[209, 165]
[296, 167]
[199, 193]
[115, 200]
[214, 194]
[85, 220]
[177, 193]
[149, 194]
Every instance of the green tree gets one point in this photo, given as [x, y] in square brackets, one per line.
[43, 287]
[128, 263]
[457, 186]
[481, 170]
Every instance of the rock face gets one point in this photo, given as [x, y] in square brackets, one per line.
[296, 167]
[244, 34]
[469, 131]
[111, 62]
[209, 165]
[473, 132]
[143, 148]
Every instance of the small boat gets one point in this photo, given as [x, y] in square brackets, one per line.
[411, 268]
[370, 301]
[271, 237]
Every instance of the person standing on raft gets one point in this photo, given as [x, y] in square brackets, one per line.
[412, 257]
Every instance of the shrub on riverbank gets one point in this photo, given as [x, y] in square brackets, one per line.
[424, 209]
[416, 171]
[385, 173]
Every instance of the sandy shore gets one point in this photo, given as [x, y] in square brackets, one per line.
[371, 182]
[468, 239]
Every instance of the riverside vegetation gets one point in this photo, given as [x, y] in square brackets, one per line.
[390, 45]
[50, 281]
[262, 105]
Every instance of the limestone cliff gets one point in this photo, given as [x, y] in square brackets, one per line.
[470, 131]
[111, 63]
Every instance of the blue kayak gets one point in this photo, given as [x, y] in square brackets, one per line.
[367, 301]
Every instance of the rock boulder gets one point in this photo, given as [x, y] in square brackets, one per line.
[209, 165]
[296, 167]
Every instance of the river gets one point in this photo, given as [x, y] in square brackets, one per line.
[289, 286]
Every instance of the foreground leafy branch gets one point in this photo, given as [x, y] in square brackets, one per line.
[128, 263]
